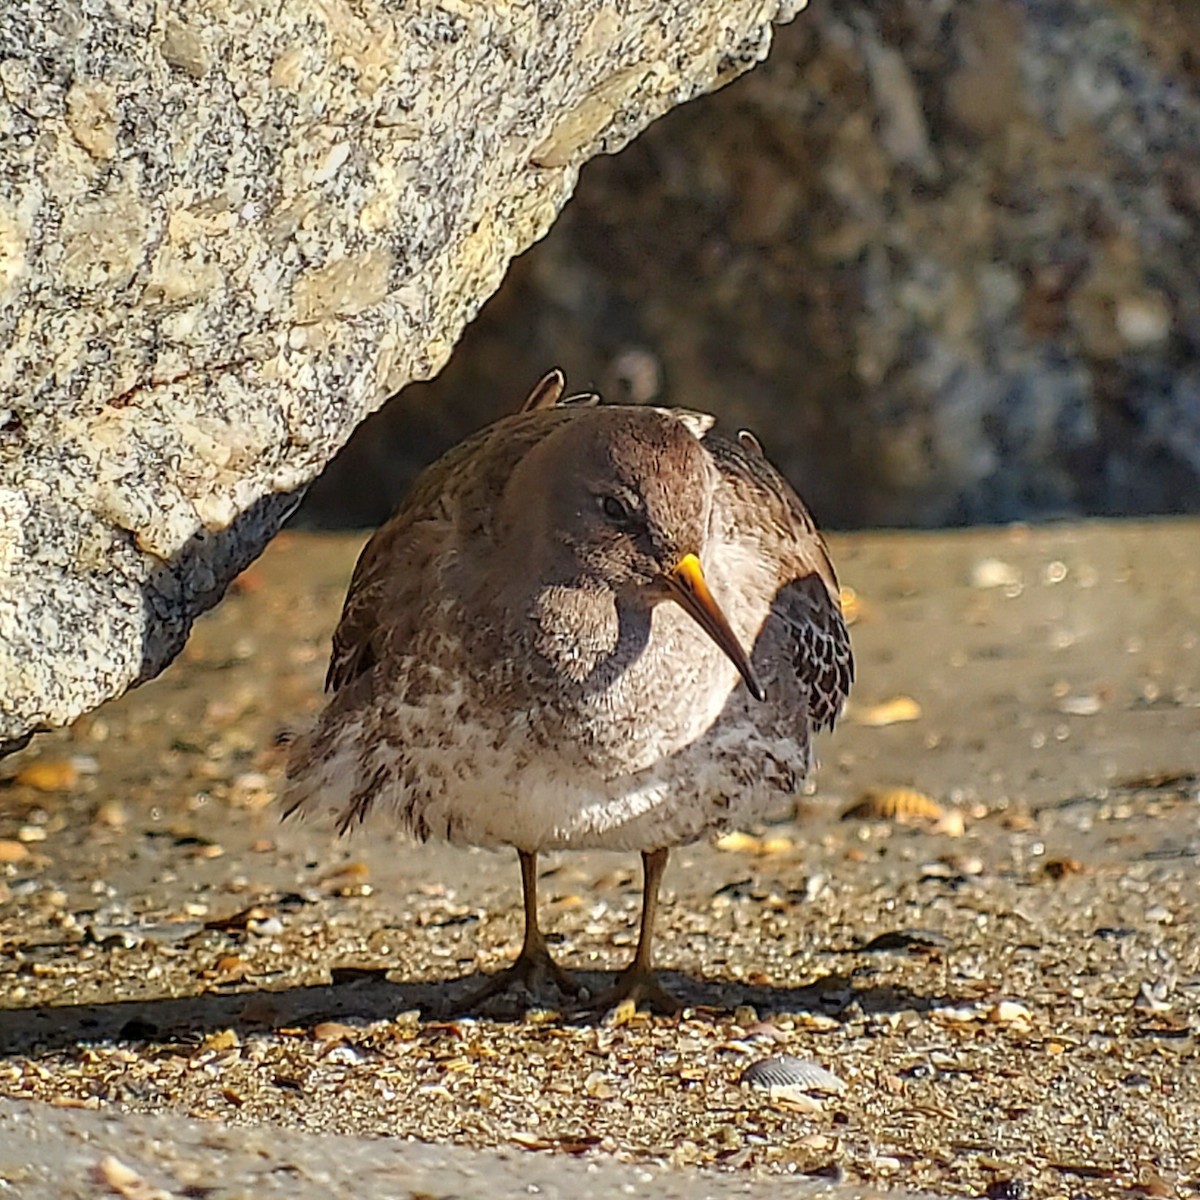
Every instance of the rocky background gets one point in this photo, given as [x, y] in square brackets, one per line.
[227, 234]
[943, 255]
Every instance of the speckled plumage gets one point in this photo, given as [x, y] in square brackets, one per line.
[508, 669]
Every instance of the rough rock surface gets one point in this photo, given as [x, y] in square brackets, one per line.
[941, 255]
[41, 1148]
[226, 236]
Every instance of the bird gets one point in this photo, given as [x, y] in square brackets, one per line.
[587, 626]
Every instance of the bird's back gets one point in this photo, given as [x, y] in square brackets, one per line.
[805, 646]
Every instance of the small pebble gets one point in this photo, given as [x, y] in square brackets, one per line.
[1006, 1012]
[1006, 1189]
[990, 573]
[49, 775]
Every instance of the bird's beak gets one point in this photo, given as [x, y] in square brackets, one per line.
[685, 585]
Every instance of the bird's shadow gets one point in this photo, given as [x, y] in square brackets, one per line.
[369, 995]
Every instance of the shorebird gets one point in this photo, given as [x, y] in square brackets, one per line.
[587, 626]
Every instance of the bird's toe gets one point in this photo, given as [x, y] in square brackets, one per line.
[534, 975]
[637, 988]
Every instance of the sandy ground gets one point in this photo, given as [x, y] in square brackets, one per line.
[997, 957]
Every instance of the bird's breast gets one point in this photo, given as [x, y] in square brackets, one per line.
[655, 692]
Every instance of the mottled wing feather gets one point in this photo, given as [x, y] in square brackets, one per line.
[375, 599]
[386, 589]
[356, 641]
[821, 655]
[393, 587]
[807, 600]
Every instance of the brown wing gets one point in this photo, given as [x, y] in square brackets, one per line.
[358, 641]
[807, 598]
[821, 655]
[391, 584]
[385, 589]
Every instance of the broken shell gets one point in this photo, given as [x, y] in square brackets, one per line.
[738, 842]
[951, 824]
[123, 1180]
[1005, 1012]
[994, 573]
[12, 851]
[851, 605]
[783, 1073]
[49, 775]
[889, 712]
[894, 804]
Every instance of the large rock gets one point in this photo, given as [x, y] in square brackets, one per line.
[228, 232]
[942, 254]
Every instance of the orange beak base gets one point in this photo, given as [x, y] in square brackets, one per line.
[687, 587]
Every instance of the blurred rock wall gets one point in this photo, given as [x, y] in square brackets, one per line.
[943, 255]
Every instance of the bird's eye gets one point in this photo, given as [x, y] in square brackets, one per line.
[615, 510]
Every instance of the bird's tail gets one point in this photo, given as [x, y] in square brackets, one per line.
[326, 770]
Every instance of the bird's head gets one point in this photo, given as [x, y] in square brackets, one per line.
[620, 498]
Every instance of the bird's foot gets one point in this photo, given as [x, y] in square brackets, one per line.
[533, 972]
[637, 987]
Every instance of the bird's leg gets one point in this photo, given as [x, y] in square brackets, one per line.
[534, 961]
[638, 982]
[533, 966]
